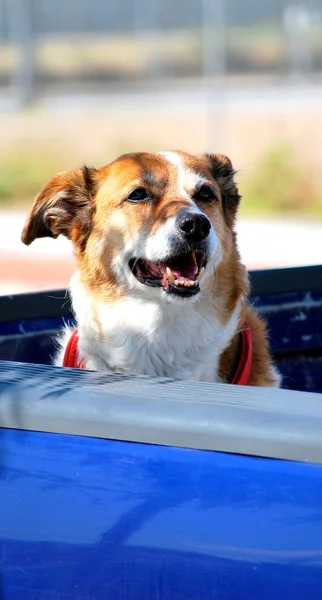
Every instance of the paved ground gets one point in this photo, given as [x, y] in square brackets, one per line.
[48, 264]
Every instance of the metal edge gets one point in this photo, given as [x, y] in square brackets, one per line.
[252, 421]
[35, 305]
[288, 280]
[48, 304]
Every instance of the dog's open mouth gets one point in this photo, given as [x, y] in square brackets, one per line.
[178, 275]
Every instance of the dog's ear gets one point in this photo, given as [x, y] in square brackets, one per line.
[223, 172]
[64, 206]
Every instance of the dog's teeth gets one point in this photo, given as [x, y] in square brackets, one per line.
[201, 274]
[170, 275]
[185, 282]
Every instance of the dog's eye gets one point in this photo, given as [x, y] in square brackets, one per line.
[138, 195]
[205, 194]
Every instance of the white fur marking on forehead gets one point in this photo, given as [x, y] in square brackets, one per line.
[193, 180]
[187, 180]
[172, 157]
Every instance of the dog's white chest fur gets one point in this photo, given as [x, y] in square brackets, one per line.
[150, 338]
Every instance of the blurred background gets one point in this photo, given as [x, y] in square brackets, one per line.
[84, 81]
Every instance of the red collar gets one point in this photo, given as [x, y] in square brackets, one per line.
[241, 377]
[71, 357]
[244, 368]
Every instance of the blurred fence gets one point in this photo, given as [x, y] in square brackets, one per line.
[103, 42]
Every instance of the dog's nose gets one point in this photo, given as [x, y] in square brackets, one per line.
[194, 226]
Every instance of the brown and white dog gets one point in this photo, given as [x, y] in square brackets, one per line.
[160, 289]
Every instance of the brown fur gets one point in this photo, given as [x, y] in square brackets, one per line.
[90, 207]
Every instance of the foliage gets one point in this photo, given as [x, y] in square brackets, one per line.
[279, 183]
[24, 171]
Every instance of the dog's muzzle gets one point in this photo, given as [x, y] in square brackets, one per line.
[180, 273]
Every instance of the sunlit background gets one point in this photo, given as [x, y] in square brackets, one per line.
[84, 81]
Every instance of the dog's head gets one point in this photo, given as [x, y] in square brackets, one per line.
[146, 223]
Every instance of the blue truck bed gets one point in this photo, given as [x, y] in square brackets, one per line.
[127, 488]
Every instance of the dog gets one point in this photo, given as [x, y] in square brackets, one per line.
[160, 289]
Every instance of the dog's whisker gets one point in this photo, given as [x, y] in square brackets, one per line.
[134, 264]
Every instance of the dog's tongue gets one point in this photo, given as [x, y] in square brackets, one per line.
[185, 269]
[179, 271]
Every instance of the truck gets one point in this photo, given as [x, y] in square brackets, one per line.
[124, 487]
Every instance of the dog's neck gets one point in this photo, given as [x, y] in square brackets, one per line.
[152, 338]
